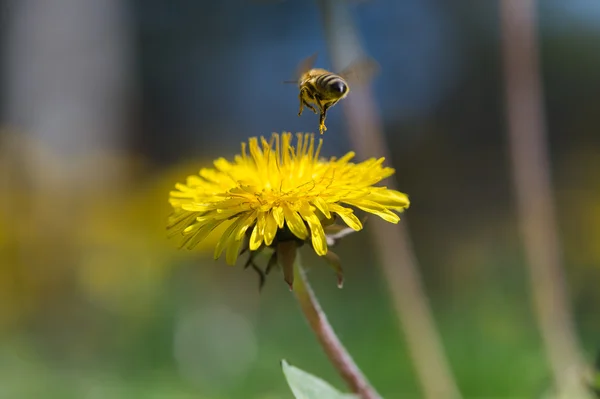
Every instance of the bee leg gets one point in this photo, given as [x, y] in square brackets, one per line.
[304, 92]
[310, 106]
[301, 98]
[261, 274]
[322, 117]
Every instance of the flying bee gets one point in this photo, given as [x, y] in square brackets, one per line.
[282, 251]
[321, 89]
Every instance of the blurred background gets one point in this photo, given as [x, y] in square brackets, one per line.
[105, 105]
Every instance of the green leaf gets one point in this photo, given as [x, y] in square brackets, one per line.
[307, 386]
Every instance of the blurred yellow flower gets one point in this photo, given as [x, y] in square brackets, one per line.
[280, 187]
[111, 251]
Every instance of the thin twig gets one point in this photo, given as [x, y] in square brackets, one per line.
[339, 357]
[532, 183]
[392, 241]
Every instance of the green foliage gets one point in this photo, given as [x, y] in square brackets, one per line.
[307, 386]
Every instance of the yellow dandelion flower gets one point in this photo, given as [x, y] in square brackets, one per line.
[275, 187]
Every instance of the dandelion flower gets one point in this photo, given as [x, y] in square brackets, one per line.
[277, 188]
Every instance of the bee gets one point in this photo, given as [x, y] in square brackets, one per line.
[321, 89]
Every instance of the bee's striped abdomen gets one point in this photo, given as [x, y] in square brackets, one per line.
[325, 80]
[332, 84]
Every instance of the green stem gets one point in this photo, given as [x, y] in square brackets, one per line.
[338, 355]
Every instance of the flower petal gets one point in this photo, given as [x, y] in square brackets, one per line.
[317, 234]
[376, 209]
[389, 198]
[321, 205]
[256, 239]
[347, 216]
[249, 221]
[279, 216]
[190, 241]
[228, 237]
[179, 219]
[270, 229]
[232, 252]
[295, 223]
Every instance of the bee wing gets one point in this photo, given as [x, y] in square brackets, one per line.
[305, 65]
[361, 71]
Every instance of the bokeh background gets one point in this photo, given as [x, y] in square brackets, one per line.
[106, 104]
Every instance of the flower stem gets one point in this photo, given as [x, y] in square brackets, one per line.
[339, 357]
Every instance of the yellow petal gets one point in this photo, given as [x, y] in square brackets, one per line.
[232, 252]
[228, 236]
[321, 205]
[224, 166]
[376, 209]
[270, 229]
[193, 207]
[279, 216]
[255, 150]
[346, 157]
[211, 176]
[193, 239]
[295, 223]
[317, 234]
[249, 221]
[179, 194]
[261, 221]
[389, 198]
[256, 239]
[192, 229]
[180, 218]
[234, 234]
[348, 217]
